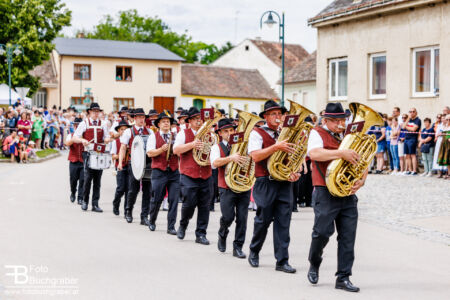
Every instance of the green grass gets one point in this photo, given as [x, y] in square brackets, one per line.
[45, 152]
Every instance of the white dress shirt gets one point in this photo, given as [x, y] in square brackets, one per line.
[113, 148]
[151, 142]
[126, 136]
[83, 126]
[181, 138]
[215, 153]
[255, 141]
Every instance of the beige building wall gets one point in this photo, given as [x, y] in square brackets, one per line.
[397, 35]
[104, 87]
[304, 93]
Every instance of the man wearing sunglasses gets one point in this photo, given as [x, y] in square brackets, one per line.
[412, 126]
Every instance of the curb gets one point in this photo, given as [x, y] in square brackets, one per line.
[37, 160]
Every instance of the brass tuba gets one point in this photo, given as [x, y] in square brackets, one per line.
[204, 134]
[282, 164]
[342, 175]
[240, 178]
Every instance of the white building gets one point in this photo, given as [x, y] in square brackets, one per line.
[263, 56]
[226, 88]
[300, 83]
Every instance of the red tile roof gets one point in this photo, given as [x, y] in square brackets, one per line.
[293, 53]
[304, 71]
[340, 7]
[217, 81]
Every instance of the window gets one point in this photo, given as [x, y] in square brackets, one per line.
[338, 79]
[426, 72]
[295, 97]
[230, 110]
[77, 101]
[245, 107]
[305, 98]
[123, 73]
[119, 102]
[378, 76]
[81, 71]
[246, 47]
[164, 75]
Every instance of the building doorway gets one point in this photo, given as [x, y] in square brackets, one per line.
[164, 103]
[198, 103]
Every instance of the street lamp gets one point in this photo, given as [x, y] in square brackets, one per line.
[9, 50]
[270, 22]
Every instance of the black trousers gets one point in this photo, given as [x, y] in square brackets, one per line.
[234, 205]
[93, 177]
[305, 187]
[163, 181]
[196, 193]
[133, 190]
[76, 171]
[274, 201]
[214, 188]
[122, 187]
[329, 212]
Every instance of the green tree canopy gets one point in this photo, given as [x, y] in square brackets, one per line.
[130, 26]
[32, 24]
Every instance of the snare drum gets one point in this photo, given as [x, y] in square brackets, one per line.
[99, 161]
[140, 162]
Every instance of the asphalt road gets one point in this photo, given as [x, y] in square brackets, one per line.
[99, 256]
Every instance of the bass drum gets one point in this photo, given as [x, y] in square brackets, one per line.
[140, 162]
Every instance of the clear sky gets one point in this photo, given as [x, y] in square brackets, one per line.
[210, 21]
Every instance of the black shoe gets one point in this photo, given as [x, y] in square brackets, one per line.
[313, 274]
[286, 268]
[253, 259]
[84, 206]
[151, 226]
[128, 216]
[165, 209]
[72, 198]
[202, 240]
[237, 252]
[181, 232]
[172, 231]
[346, 285]
[80, 201]
[116, 211]
[145, 221]
[97, 209]
[222, 244]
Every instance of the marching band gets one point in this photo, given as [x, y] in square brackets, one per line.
[173, 158]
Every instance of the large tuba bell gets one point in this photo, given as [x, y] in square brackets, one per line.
[240, 178]
[282, 164]
[205, 135]
[342, 175]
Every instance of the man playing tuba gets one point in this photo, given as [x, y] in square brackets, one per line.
[272, 197]
[231, 204]
[331, 211]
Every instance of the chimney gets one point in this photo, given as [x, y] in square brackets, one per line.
[257, 38]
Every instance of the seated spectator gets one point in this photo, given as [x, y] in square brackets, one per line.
[30, 152]
[426, 146]
[10, 146]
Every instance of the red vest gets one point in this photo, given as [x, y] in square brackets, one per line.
[329, 143]
[221, 172]
[160, 161]
[91, 130]
[188, 166]
[75, 152]
[261, 166]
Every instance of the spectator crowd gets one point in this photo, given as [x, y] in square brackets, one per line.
[404, 141]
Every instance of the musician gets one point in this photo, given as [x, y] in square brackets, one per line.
[165, 175]
[182, 120]
[194, 179]
[123, 112]
[151, 117]
[330, 211]
[90, 132]
[273, 198]
[76, 167]
[126, 141]
[122, 175]
[178, 112]
[232, 205]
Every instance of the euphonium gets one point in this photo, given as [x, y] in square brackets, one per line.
[240, 178]
[204, 135]
[342, 175]
[282, 164]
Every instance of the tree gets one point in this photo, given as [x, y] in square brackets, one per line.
[33, 24]
[130, 26]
